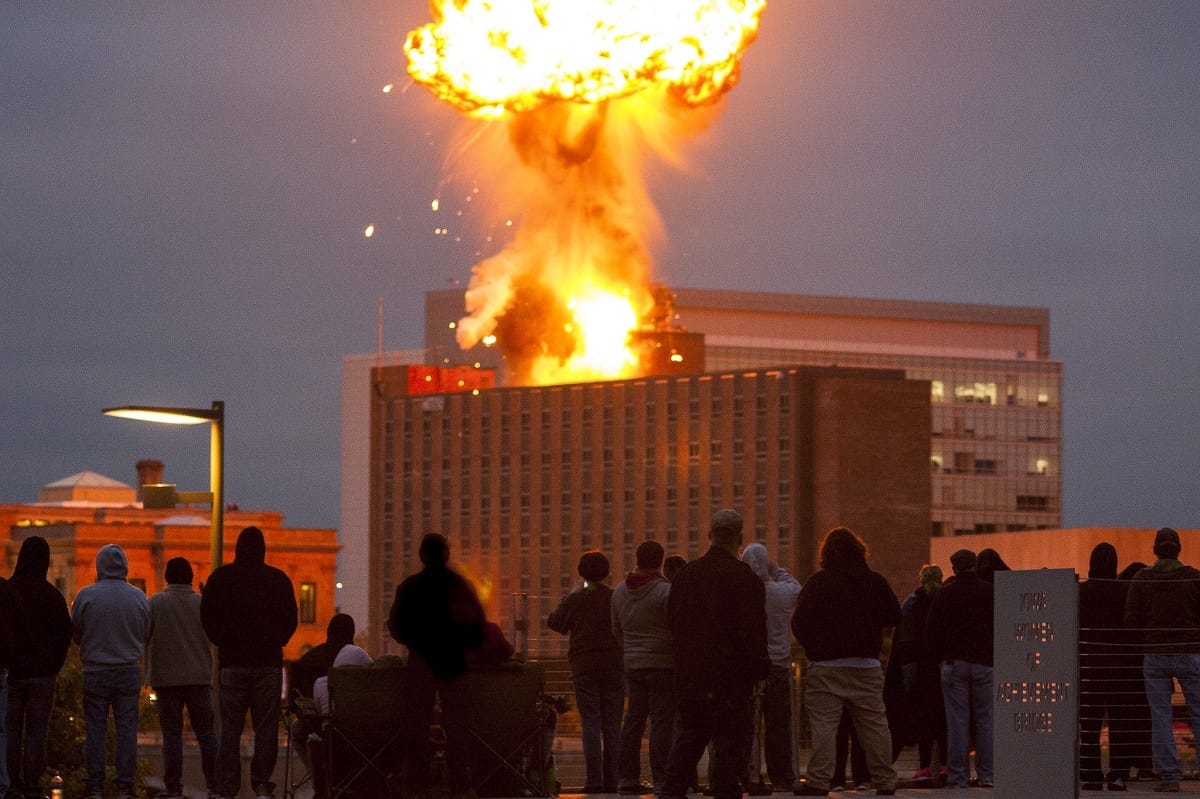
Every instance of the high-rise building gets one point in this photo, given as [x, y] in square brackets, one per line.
[995, 450]
[523, 480]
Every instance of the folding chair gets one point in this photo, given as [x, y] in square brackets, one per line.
[301, 708]
[508, 754]
[363, 735]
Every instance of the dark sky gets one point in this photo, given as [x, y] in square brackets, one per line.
[184, 188]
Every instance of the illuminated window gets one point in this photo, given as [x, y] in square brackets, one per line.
[308, 603]
[937, 391]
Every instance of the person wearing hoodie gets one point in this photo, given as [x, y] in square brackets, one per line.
[1102, 642]
[1164, 606]
[840, 620]
[44, 632]
[640, 625]
[313, 665]
[179, 668]
[248, 610]
[958, 634]
[110, 620]
[782, 591]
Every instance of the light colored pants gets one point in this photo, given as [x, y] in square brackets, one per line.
[827, 689]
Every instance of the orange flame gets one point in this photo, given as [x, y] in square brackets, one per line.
[585, 87]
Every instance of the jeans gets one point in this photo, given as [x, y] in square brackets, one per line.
[198, 701]
[829, 691]
[255, 689]
[727, 722]
[29, 703]
[600, 696]
[1159, 671]
[651, 694]
[119, 689]
[967, 693]
[778, 749]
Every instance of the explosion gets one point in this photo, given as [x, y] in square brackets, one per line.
[585, 88]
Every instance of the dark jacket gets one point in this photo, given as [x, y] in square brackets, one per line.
[42, 628]
[1164, 606]
[314, 664]
[842, 613]
[248, 608]
[960, 621]
[1102, 638]
[438, 617]
[718, 615]
[586, 615]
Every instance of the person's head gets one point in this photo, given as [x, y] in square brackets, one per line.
[179, 572]
[351, 655]
[1103, 563]
[988, 563]
[250, 545]
[1130, 570]
[725, 531]
[593, 566]
[1166, 544]
[756, 557]
[340, 629]
[672, 565]
[842, 549]
[930, 577]
[111, 563]
[649, 555]
[434, 550]
[963, 561]
[34, 557]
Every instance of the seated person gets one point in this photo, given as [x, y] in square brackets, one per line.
[313, 665]
[350, 655]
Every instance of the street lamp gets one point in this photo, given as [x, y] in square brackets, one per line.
[166, 494]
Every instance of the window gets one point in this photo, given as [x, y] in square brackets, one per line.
[308, 603]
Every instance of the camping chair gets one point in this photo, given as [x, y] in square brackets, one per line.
[301, 708]
[508, 754]
[363, 735]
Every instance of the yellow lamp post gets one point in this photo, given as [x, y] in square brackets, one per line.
[165, 495]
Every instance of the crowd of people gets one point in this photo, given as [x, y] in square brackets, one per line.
[699, 652]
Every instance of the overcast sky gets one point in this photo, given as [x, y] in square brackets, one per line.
[184, 188]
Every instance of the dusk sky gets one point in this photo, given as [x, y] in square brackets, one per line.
[184, 189]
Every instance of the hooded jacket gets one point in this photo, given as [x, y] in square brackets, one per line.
[44, 626]
[1102, 611]
[640, 623]
[349, 655]
[248, 608]
[316, 662]
[782, 591]
[843, 611]
[960, 622]
[1164, 606]
[178, 652]
[110, 618]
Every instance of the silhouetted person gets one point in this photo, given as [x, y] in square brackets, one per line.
[314, 664]
[1164, 605]
[249, 611]
[959, 636]
[782, 589]
[1102, 641]
[179, 668]
[437, 616]
[672, 565]
[919, 678]
[643, 631]
[1129, 733]
[43, 636]
[585, 615]
[988, 562]
[111, 621]
[717, 609]
[840, 620]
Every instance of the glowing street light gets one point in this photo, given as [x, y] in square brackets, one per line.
[165, 495]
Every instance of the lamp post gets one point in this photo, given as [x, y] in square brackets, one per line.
[216, 467]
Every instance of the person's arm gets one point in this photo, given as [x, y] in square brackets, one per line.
[561, 617]
[617, 630]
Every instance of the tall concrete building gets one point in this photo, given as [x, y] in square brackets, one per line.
[995, 451]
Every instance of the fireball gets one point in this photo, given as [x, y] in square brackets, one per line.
[586, 89]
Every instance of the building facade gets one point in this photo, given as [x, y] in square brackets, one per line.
[81, 514]
[523, 480]
[995, 449]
